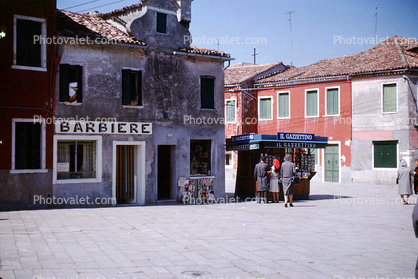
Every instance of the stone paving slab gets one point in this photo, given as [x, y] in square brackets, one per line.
[342, 231]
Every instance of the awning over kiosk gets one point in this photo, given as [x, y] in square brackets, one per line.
[281, 140]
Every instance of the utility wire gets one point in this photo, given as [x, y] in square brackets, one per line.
[90, 9]
[82, 4]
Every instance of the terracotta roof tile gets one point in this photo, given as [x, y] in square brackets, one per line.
[70, 24]
[394, 53]
[241, 72]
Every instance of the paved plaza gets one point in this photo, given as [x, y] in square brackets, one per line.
[342, 231]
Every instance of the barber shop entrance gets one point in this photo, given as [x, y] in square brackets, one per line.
[251, 147]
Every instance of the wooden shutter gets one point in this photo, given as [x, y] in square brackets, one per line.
[311, 103]
[332, 101]
[64, 82]
[126, 87]
[284, 105]
[265, 108]
[79, 84]
[139, 90]
[385, 154]
[207, 92]
[389, 98]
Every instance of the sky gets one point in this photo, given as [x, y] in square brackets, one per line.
[317, 30]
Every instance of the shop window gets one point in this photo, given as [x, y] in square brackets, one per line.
[333, 101]
[264, 108]
[230, 111]
[283, 105]
[161, 23]
[71, 83]
[311, 103]
[29, 48]
[385, 154]
[207, 92]
[316, 155]
[76, 159]
[131, 87]
[200, 157]
[389, 98]
[28, 139]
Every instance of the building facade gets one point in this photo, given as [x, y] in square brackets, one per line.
[27, 90]
[153, 103]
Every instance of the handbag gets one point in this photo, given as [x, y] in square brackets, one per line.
[296, 180]
[397, 180]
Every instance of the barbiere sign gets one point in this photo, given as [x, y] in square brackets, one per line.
[97, 127]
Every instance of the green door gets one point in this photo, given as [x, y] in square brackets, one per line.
[332, 166]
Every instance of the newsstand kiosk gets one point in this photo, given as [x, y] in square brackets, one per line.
[251, 147]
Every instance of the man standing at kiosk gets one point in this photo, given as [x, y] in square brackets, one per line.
[262, 177]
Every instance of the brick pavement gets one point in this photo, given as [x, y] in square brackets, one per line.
[343, 231]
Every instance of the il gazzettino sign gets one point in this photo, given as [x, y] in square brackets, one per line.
[295, 137]
[97, 127]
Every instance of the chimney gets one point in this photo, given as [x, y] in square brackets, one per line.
[184, 14]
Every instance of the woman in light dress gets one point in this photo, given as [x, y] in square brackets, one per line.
[274, 180]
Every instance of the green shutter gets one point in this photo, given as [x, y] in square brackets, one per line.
[284, 105]
[265, 109]
[389, 98]
[126, 87]
[385, 154]
[312, 103]
[64, 82]
[207, 93]
[332, 101]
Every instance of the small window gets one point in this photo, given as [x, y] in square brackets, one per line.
[29, 48]
[230, 111]
[264, 109]
[71, 83]
[389, 98]
[312, 103]
[200, 157]
[228, 159]
[333, 101]
[284, 105]
[207, 92]
[27, 146]
[385, 154]
[161, 23]
[131, 87]
[76, 159]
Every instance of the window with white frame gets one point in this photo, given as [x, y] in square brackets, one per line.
[71, 83]
[389, 98]
[312, 104]
[332, 100]
[29, 43]
[77, 159]
[264, 108]
[283, 105]
[230, 111]
[28, 145]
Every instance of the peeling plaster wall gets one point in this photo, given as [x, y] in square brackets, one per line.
[171, 84]
[370, 124]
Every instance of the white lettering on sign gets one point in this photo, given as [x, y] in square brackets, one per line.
[96, 127]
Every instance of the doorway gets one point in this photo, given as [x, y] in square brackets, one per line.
[126, 173]
[164, 172]
[332, 163]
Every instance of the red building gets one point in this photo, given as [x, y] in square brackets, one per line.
[27, 88]
[307, 100]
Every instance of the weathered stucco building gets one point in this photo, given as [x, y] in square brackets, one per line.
[153, 104]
